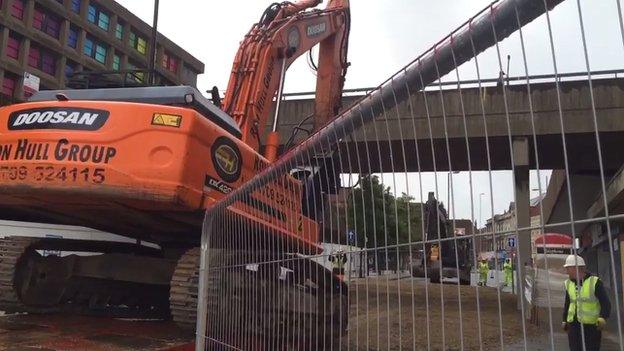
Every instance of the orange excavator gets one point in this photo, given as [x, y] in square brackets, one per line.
[146, 162]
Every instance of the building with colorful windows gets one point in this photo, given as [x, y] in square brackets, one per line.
[51, 40]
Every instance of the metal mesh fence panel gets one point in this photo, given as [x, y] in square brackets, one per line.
[436, 211]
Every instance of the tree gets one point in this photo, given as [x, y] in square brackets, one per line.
[378, 218]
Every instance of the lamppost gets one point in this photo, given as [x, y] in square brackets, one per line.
[479, 220]
[542, 190]
[480, 197]
[449, 180]
[152, 58]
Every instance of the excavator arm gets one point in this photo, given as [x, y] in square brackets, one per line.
[285, 32]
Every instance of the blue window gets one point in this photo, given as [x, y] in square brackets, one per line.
[69, 70]
[72, 38]
[95, 49]
[103, 21]
[119, 31]
[75, 6]
[88, 47]
[96, 16]
[100, 53]
[116, 62]
[91, 14]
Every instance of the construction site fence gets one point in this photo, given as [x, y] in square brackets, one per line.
[373, 232]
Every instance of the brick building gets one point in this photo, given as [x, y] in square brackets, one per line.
[53, 39]
[504, 227]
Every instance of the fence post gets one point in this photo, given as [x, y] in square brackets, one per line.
[523, 219]
[202, 299]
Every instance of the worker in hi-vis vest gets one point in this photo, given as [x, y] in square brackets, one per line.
[586, 306]
[508, 270]
[484, 268]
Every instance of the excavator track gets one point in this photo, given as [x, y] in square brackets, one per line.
[259, 301]
[26, 287]
[183, 289]
[11, 249]
[185, 284]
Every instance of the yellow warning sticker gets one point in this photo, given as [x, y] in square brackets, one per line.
[164, 119]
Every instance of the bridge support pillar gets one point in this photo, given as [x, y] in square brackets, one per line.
[523, 218]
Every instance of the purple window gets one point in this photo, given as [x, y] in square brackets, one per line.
[72, 38]
[48, 63]
[42, 59]
[52, 26]
[46, 22]
[34, 57]
[75, 6]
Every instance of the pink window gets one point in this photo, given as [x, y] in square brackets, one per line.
[17, 9]
[46, 22]
[13, 46]
[170, 63]
[173, 64]
[8, 86]
[38, 18]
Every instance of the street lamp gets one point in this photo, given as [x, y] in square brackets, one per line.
[541, 190]
[450, 189]
[480, 197]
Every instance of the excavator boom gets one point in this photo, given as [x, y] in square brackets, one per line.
[284, 33]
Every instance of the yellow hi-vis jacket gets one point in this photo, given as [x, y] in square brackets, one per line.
[483, 270]
[584, 305]
[507, 267]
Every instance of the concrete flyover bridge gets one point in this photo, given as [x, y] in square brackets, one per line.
[439, 114]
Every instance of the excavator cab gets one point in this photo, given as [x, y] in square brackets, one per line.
[323, 178]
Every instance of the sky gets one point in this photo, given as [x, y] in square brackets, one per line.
[385, 35]
[388, 34]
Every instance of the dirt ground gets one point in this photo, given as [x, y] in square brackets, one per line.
[396, 316]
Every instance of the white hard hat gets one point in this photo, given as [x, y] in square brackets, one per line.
[574, 260]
